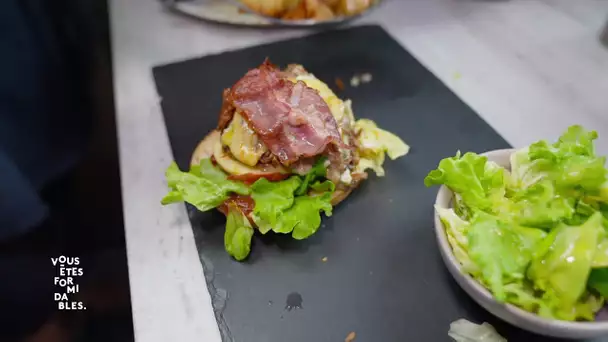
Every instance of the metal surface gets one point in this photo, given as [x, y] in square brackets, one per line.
[234, 13]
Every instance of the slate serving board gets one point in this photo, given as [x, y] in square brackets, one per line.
[383, 277]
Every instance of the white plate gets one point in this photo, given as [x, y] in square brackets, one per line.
[483, 297]
[221, 11]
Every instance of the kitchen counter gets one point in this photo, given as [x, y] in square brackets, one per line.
[529, 68]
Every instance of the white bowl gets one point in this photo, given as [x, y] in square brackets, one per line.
[507, 312]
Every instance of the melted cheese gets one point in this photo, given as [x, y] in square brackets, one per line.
[242, 141]
[235, 167]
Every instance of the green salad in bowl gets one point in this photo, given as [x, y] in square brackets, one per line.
[534, 235]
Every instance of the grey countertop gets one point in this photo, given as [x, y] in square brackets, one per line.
[530, 68]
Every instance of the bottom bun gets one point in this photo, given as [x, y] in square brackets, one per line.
[205, 147]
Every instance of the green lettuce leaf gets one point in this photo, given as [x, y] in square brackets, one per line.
[571, 162]
[271, 199]
[598, 280]
[541, 206]
[317, 171]
[456, 232]
[600, 258]
[522, 294]
[237, 238]
[501, 251]
[478, 182]
[205, 186]
[326, 186]
[562, 265]
[304, 217]
[279, 208]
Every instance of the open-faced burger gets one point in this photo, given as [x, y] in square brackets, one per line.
[285, 149]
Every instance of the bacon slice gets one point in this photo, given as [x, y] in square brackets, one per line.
[291, 119]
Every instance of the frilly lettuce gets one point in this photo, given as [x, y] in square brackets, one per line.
[535, 235]
[562, 266]
[479, 183]
[288, 207]
[291, 206]
[271, 199]
[502, 251]
[205, 186]
[374, 142]
[456, 231]
[237, 237]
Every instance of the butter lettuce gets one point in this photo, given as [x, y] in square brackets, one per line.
[237, 237]
[562, 271]
[598, 280]
[479, 183]
[570, 163]
[304, 217]
[535, 235]
[502, 251]
[374, 142]
[279, 208]
[292, 206]
[205, 186]
[456, 231]
[271, 199]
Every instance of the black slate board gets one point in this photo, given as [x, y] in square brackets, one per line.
[383, 278]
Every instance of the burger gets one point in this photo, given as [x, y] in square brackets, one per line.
[285, 149]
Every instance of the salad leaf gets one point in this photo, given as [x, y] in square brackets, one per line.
[317, 171]
[478, 182]
[304, 217]
[571, 161]
[205, 186]
[466, 331]
[374, 142]
[271, 199]
[277, 207]
[523, 295]
[562, 269]
[502, 251]
[319, 186]
[237, 238]
[541, 206]
[600, 257]
[598, 280]
[456, 231]
[525, 172]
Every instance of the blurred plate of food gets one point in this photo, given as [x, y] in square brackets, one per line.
[298, 13]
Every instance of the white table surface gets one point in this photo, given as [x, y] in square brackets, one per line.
[530, 68]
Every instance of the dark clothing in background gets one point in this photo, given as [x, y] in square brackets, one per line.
[44, 129]
[43, 125]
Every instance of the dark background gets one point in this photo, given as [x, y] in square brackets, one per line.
[70, 42]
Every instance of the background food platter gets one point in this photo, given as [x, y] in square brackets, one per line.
[229, 12]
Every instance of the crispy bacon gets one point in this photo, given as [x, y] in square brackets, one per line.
[250, 178]
[291, 119]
